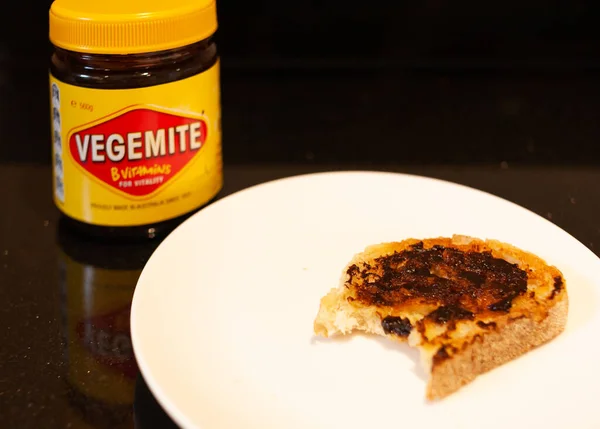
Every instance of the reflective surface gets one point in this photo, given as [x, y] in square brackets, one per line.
[66, 353]
[96, 282]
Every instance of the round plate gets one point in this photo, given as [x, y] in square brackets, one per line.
[222, 317]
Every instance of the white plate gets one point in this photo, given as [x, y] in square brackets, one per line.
[223, 313]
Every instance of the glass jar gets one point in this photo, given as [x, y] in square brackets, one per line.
[136, 117]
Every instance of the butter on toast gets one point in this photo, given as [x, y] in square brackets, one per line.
[469, 305]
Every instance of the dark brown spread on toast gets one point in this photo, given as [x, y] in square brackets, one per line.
[396, 325]
[460, 284]
[441, 355]
[558, 285]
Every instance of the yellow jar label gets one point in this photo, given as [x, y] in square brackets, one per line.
[136, 156]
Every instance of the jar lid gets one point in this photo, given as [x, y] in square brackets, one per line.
[130, 26]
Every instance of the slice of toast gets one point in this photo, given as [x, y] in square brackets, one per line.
[467, 304]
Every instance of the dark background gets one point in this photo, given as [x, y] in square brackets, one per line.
[501, 96]
[429, 81]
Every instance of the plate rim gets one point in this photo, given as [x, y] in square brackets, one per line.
[165, 402]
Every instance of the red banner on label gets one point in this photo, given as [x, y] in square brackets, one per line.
[140, 150]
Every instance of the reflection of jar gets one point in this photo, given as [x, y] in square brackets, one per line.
[97, 281]
[136, 116]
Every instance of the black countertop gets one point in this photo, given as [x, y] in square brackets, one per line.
[66, 354]
[66, 359]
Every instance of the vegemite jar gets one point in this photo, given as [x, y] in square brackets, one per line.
[135, 113]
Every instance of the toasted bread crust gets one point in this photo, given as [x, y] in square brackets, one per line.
[494, 349]
[468, 329]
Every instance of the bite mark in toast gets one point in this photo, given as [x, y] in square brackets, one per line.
[469, 305]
